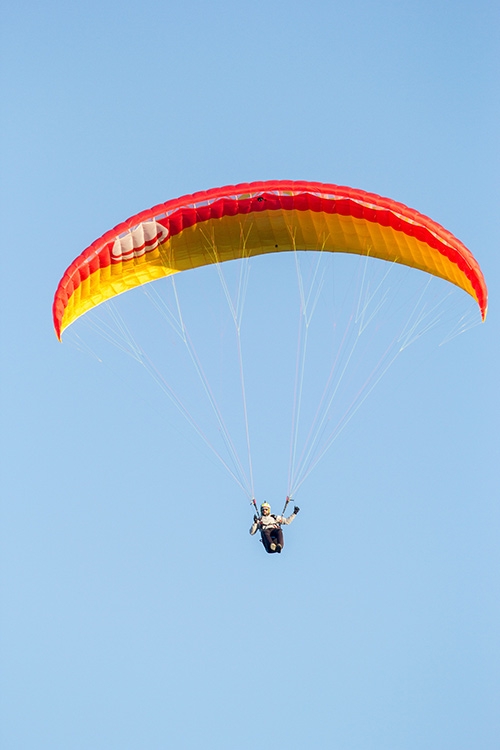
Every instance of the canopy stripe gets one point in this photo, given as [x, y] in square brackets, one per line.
[253, 219]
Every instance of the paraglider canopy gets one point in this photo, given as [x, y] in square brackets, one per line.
[254, 219]
[313, 225]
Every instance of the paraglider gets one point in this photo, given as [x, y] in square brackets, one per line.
[236, 223]
[270, 525]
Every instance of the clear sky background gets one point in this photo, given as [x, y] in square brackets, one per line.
[136, 611]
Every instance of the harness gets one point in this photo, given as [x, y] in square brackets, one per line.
[275, 525]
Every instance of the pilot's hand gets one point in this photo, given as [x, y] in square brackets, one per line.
[296, 509]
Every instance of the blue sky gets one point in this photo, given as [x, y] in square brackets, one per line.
[136, 610]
